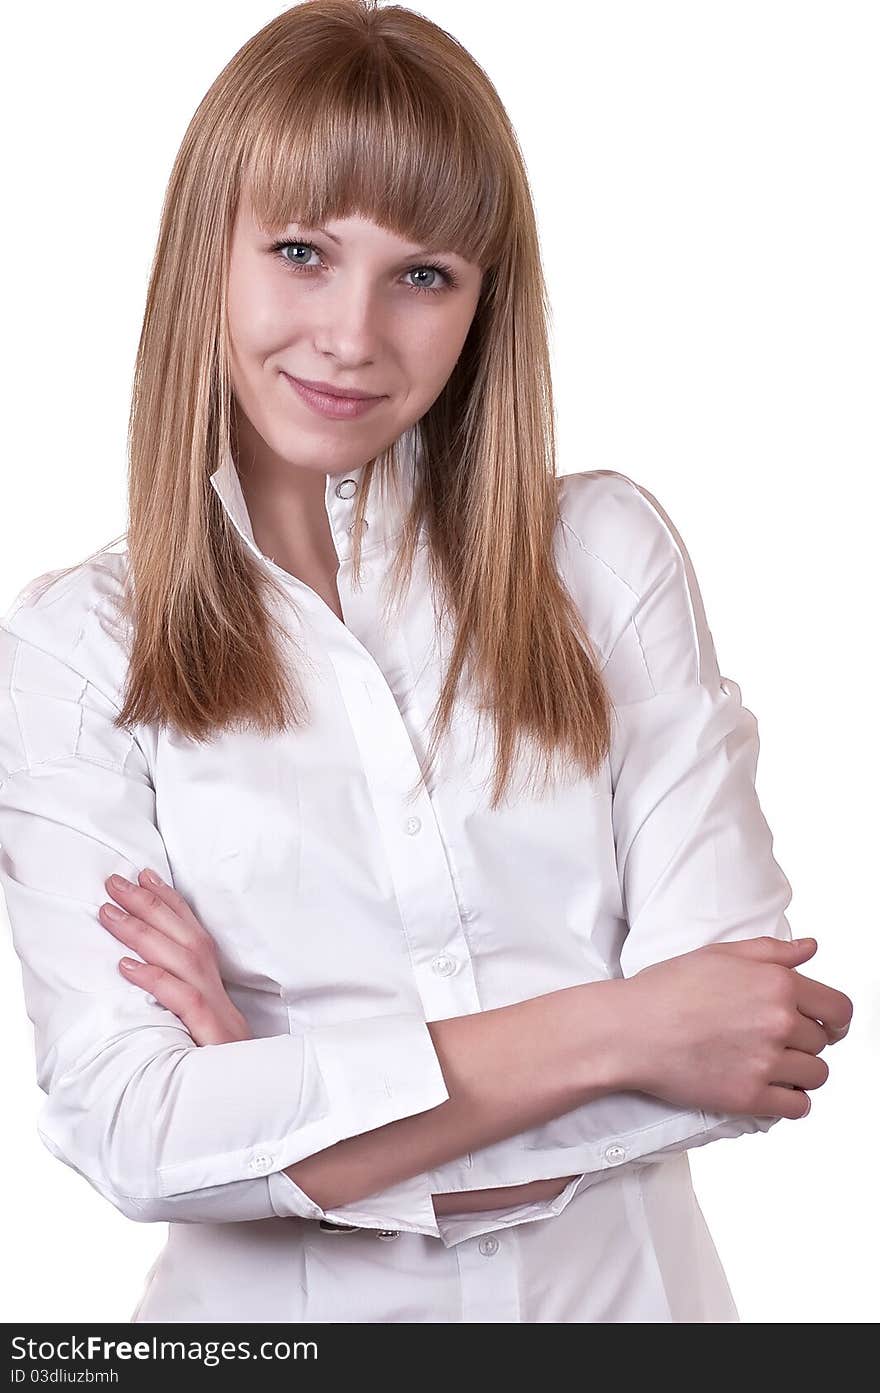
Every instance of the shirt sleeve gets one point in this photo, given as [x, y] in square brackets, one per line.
[162, 1128]
[694, 852]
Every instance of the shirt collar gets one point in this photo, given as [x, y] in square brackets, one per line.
[385, 515]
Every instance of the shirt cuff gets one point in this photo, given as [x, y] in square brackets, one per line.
[378, 1069]
[591, 1164]
[406, 1207]
[375, 1071]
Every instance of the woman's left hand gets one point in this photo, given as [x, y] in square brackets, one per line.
[180, 965]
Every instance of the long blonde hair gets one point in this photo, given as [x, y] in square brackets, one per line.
[338, 107]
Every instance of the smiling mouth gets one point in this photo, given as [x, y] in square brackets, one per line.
[332, 407]
[327, 389]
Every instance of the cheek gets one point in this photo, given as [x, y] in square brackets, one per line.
[258, 315]
[432, 356]
[448, 335]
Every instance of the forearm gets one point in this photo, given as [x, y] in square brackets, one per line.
[507, 1069]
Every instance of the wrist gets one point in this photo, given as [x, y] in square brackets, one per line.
[612, 1048]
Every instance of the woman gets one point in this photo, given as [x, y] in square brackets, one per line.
[401, 1031]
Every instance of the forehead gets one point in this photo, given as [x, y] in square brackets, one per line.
[282, 195]
[351, 231]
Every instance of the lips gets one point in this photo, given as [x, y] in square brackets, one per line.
[327, 389]
[330, 406]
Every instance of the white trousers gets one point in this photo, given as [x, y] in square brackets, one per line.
[634, 1247]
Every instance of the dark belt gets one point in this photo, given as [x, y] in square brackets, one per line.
[329, 1227]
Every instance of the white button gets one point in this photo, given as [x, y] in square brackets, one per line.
[488, 1246]
[388, 1234]
[467, 914]
[261, 1162]
[615, 1154]
[444, 966]
[351, 527]
[412, 825]
[347, 488]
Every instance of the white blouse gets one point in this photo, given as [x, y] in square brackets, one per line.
[346, 914]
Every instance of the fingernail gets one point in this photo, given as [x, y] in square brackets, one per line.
[152, 877]
[128, 963]
[797, 942]
[113, 912]
[120, 882]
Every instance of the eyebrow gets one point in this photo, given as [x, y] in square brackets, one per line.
[322, 230]
[417, 251]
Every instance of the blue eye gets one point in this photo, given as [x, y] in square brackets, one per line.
[280, 247]
[450, 281]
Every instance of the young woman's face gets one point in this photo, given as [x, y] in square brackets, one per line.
[350, 305]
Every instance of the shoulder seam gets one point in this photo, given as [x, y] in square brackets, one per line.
[65, 662]
[683, 565]
[602, 562]
[13, 703]
[679, 564]
[73, 756]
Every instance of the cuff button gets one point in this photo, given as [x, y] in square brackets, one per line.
[615, 1154]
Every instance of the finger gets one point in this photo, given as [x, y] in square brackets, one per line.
[769, 949]
[192, 1008]
[808, 1035]
[147, 905]
[151, 880]
[154, 946]
[183, 999]
[826, 1004]
[802, 1070]
[783, 1100]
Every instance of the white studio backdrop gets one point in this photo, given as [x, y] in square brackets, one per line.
[705, 176]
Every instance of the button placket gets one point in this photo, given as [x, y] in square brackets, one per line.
[490, 1280]
[416, 856]
[339, 515]
[382, 726]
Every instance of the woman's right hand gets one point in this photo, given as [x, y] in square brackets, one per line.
[730, 1027]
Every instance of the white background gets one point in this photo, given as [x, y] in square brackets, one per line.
[706, 179]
